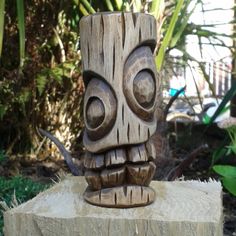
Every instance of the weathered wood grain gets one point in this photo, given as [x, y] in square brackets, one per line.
[115, 46]
[122, 88]
[122, 196]
[186, 208]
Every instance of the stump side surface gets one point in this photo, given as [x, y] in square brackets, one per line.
[181, 208]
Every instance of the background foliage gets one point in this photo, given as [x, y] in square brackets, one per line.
[44, 87]
[40, 74]
[40, 71]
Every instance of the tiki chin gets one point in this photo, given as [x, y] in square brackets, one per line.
[122, 90]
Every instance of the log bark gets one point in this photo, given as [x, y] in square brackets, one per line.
[187, 208]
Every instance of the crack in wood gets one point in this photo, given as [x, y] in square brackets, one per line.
[102, 38]
[118, 136]
[123, 114]
[114, 62]
[123, 28]
[128, 132]
[39, 230]
[139, 131]
[134, 17]
[140, 35]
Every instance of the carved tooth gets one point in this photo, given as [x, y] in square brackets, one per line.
[137, 153]
[151, 150]
[140, 174]
[115, 157]
[120, 197]
[113, 177]
[93, 161]
[93, 179]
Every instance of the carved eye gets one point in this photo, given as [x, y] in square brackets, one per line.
[100, 108]
[140, 82]
[144, 88]
[95, 112]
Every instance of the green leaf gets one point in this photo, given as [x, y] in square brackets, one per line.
[41, 81]
[161, 53]
[225, 170]
[231, 149]
[183, 23]
[218, 153]
[88, 6]
[230, 184]
[119, 4]
[2, 156]
[109, 5]
[3, 110]
[206, 119]
[156, 8]
[137, 5]
[25, 95]
[21, 27]
[57, 73]
[2, 11]
[228, 96]
[83, 10]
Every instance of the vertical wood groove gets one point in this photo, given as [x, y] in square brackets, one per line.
[134, 17]
[105, 50]
[128, 132]
[123, 29]
[102, 38]
[148, 133]
[115, 196]
[139, 131]
[114, 62]
[118, 136]
[141, 192]
[140, 35]
[123, 114]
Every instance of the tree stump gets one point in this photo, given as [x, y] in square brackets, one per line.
[186, 208]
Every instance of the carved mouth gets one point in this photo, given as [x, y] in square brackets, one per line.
[120, 177]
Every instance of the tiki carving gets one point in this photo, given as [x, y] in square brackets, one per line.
[122, 89]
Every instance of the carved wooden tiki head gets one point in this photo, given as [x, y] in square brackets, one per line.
[121, 93]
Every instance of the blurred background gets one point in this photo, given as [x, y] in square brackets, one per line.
[41, 86]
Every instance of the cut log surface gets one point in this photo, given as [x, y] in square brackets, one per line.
[181, 208]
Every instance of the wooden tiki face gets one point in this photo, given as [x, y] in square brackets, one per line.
[121, 92]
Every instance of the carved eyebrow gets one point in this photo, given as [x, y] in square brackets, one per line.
[140, 53]
[89, 74]
[151, 43]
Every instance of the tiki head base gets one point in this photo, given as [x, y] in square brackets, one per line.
[121, 94]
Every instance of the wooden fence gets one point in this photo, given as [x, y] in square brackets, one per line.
[216, 80]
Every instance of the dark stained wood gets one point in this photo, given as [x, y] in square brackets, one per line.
[95, 112]
[93, 179]
[100, 108]
[121, 197]
[93, 161]
[151, 150]
[140, 174]
[115, 157]
[113, 177]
